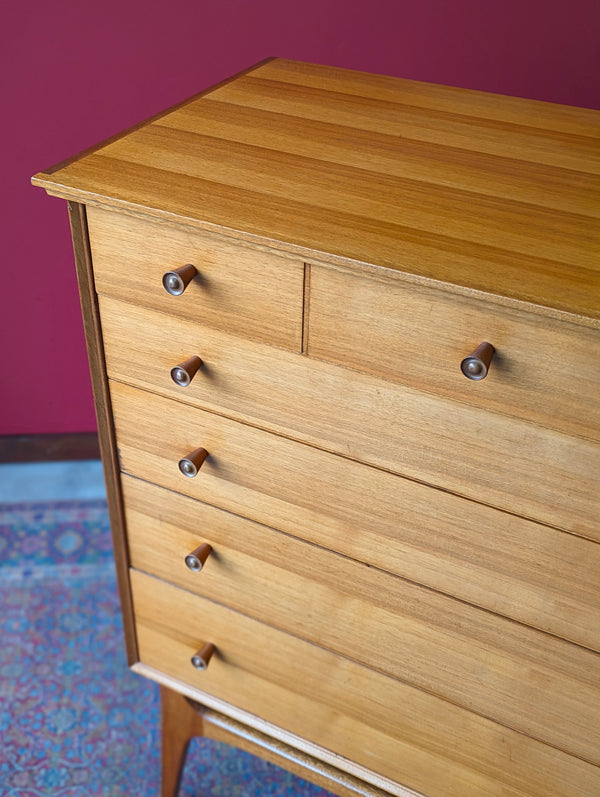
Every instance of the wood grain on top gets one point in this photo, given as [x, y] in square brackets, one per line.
[487, 193]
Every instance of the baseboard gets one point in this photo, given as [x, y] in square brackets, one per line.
[49, 447]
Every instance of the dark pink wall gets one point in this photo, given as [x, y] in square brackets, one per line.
[75, 73]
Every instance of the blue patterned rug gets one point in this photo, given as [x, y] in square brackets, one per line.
[74, 721]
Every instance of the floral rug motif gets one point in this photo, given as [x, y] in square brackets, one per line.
[74, 721]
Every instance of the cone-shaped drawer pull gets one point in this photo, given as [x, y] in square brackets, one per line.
[183, 373]
[201, 658]
[175, 282]
[191, 464]
[195, 560]
[477, 364]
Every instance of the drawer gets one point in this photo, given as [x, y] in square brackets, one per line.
[469, 656]
[343, 706]
[544, 370]
[513, 465]
[526, 571]
[253, 291]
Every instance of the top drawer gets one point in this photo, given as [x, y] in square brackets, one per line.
[544, 370]
[252, 291]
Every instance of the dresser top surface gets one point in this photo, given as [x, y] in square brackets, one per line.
[497, 195]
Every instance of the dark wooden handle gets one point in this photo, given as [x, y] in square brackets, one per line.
[195, 560]
[201, 658]
[191, 464]
[175, 282]
[477, 364]
[183, 373]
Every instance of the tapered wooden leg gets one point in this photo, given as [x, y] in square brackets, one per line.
[183, 719]
[180, 724]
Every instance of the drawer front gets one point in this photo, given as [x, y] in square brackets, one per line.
[374, 618]
[254, 292]
[510, 464]
[343, 706]
[490, 558]
[544, 370]
[280, 578]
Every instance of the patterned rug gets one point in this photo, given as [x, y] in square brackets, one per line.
[74, 721]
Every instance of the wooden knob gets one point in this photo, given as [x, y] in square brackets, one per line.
[191, 464]
[175, 282]
[201, 658]
[195, 560]
[477, 364]
[183, 373]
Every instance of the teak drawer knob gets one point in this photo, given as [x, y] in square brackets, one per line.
[477, 364]
[175, 282]
[191, 464]
[201, 658]
[194, 561]
[183, 373]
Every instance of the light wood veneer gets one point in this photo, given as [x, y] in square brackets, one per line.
[354, 706]
[131, 255]
[543, 369]
[515, 575]
[402, 583]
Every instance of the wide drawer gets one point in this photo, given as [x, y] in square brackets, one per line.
[544, 369]
[514, 465]
[252, 291]
[402, 733]
[469, 656]
[548, 588]
[521, 569]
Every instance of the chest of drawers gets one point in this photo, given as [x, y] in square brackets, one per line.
[341, 543]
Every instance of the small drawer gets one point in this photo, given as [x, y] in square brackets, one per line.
[354, 711]
[509, 565]
[543, 370]
[254, 292]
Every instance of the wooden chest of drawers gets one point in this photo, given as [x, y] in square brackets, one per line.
[355, 555]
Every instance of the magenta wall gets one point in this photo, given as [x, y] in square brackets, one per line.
[75, 73]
